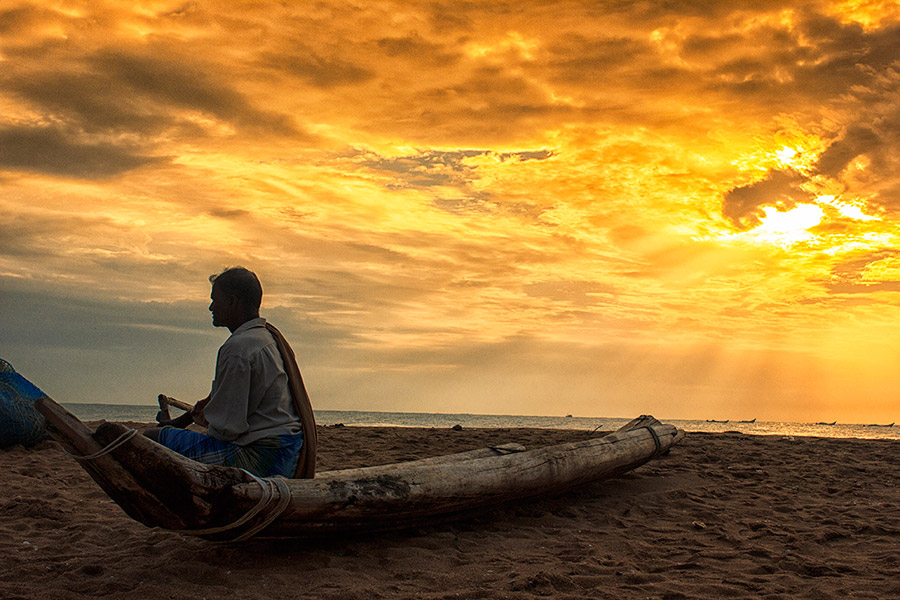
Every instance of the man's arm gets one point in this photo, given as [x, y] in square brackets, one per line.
[196, 412]
[226, 410]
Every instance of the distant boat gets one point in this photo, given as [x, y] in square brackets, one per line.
[714, 421]
[750, 421]
[832, 423]
[877, 425]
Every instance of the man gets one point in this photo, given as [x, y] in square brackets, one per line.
[257, 415]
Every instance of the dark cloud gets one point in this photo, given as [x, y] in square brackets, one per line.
[581, 60]
[17, 20]
[445, 19]
[486, 105]
[232, 213]
[441, 168]
[95, 101]
[141, 95]
[103, 349]
[416, 48]
[709, 46]
[663, 11]
[56, 152]
[448, 169]
[465, 204]
[173, 81]
[848, 277]
[486, 203]
[862, 287]
[819, 60]
[779, 188]
[632, 93]
[315, 69]
[482, 121]
[889, 197]
[89, 324]
[426, 169]
[822, 62]
[859, 139]
[30, 237]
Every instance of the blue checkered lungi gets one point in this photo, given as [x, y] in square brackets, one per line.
[267, 457]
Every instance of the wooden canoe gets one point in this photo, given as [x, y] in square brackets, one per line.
[160, 488]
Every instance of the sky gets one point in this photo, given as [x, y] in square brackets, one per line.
[688, 209]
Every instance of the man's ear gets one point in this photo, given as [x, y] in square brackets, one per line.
[235, 304]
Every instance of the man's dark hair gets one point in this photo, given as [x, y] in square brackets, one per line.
[241, 283]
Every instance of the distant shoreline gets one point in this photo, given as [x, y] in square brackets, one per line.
[147, 414]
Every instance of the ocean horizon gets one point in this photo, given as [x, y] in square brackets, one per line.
[147, 414]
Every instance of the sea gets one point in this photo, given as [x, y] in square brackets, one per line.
[349, 418]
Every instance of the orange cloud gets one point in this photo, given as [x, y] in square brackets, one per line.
[422, 185]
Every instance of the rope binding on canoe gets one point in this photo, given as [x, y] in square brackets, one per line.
[274, 499]
[107, 449]
[656, 441]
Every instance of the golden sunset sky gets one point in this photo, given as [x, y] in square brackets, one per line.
[688, 209]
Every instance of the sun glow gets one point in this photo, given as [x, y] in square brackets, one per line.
[868, 13]
[786, 155]
[846, 209]
[784, 228]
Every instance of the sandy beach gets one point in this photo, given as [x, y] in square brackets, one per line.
[724, 515]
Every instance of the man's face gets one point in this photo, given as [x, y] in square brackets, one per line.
[222, 307]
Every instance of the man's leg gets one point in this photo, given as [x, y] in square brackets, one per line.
[178, 422]
[153, 433]
[194, 445]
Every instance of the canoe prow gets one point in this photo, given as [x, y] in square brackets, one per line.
[160, 488]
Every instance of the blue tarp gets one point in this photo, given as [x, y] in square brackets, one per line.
[20, 422]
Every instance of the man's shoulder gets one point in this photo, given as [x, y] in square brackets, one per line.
[249, 339]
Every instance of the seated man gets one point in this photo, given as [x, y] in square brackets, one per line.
[257, 412]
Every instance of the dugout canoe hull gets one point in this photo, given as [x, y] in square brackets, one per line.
[160, 488]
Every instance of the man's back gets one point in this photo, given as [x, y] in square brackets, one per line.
[250, 396]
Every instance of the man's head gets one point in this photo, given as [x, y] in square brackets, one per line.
[236, 296]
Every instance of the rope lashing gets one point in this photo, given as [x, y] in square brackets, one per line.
[270, 487]
[274, 489]
[656, 441]
[284, 499]
[107, 449]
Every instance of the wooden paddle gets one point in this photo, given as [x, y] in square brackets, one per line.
[165, 401]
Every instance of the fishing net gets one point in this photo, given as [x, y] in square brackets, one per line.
[20, 422]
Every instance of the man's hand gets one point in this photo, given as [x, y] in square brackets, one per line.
[197, 413]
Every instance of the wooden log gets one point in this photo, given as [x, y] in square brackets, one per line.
[637, 423]
[160, 488]
[437, 461]
[202, 494]
[192, 490]
[116, 481]
[378, 498]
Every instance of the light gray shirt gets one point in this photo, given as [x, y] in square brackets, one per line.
[250, 397]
